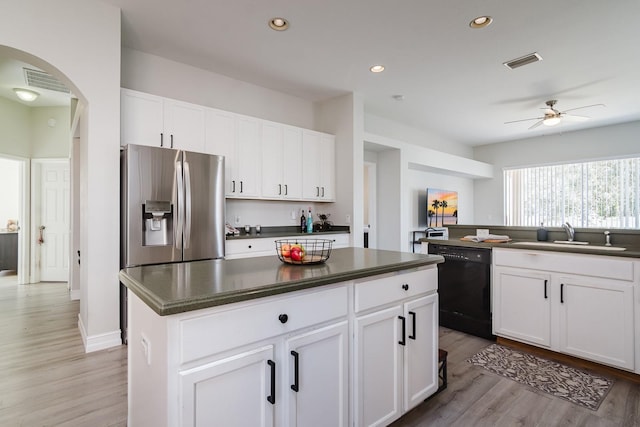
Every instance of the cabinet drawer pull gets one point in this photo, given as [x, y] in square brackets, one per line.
[283, 318]
[405, 286]
[295, 386]
[413, 325]
[545, 289]
[561, 293]
[272, 397]
[404, 331]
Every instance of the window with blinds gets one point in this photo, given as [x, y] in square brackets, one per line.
[600, 194]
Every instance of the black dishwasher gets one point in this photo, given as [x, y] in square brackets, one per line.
[464, 288]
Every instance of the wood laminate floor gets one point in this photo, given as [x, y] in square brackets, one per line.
[46, 379]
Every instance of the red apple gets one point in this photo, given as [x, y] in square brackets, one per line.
[297, 253]
[285, 250]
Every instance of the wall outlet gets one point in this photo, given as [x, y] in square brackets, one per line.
[293, 214]
[237, 219]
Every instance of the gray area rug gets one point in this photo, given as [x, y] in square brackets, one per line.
[559, 380]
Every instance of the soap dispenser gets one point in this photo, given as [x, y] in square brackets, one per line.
[543, 235]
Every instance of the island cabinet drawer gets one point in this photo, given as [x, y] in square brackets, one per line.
[249, 247]
[583, 264]
[236, 325]
[395, 287]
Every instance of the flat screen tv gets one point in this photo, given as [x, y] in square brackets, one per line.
[442, 207]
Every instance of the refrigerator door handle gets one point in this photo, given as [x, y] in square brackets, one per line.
[177, 230]
[187, 192]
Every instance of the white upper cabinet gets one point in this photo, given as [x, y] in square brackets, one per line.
[160, 122]
[237, 138]
[318, 166]
[263, 159]
[281, 161]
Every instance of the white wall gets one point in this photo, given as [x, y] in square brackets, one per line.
[163, 77]
[50, 141]
[78, 41]
[9, 190]
[596, 143]
[390, 129]
[15, 137]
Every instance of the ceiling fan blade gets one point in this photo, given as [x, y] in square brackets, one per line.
[586, 106]
[572, 118]
[524, 120]
[536, 124]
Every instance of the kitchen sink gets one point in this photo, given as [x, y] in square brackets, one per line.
[582, 245]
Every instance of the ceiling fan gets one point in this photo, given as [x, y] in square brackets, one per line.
[552, 116]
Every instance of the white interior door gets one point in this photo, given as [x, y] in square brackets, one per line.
[52, 231]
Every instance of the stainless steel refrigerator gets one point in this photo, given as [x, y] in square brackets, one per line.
[172, 208]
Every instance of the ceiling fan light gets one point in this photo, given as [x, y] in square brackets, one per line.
[551, 121]
[26, 94]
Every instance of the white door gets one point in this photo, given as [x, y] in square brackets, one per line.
[52, 232]
[378, 367]
[596, 319]
[421, 353]
[230, 392]
[522, 305]
[317, 380]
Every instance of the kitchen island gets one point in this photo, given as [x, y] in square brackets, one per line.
[257, 342]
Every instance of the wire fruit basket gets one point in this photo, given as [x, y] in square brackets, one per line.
[303, 251]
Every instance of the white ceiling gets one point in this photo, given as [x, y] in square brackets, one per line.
[451, 76]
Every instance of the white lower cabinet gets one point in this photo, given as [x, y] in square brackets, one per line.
[316, 377]
[248, 248]
[223, 390]
[396, 350]
[552, 305]
[289, 360]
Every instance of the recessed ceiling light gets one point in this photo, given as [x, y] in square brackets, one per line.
[377, 68]
[481, 22]
[398, 97]
[26, 94]
[279, 24]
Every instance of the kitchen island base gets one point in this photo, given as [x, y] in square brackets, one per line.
[302, 358]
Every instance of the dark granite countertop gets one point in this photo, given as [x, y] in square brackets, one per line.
[631, 251]
[283, 231]
[180, 287]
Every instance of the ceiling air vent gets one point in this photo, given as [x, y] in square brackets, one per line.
[523, 60]
[37, 78]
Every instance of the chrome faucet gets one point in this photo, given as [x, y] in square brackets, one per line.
[607, 238]
[570, 232]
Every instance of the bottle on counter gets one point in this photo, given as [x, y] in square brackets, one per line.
[543, 235]
[309, 222]
[303, 222]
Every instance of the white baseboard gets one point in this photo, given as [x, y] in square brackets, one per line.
[98, 342]
[74, 295]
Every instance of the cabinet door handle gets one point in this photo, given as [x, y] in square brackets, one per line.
[171, 140]
[545, 289]
[161, 139]
[322, 191]
[295, 386]
[317, 191]
[286, 190]
[279, 189]
[561, 293]
[413, 325]
[241, 186]
[404, 330]
[233, 186]
[272, 397]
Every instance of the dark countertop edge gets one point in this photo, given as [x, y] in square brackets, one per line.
[630, 252]
[272, 235]
[176, 307]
